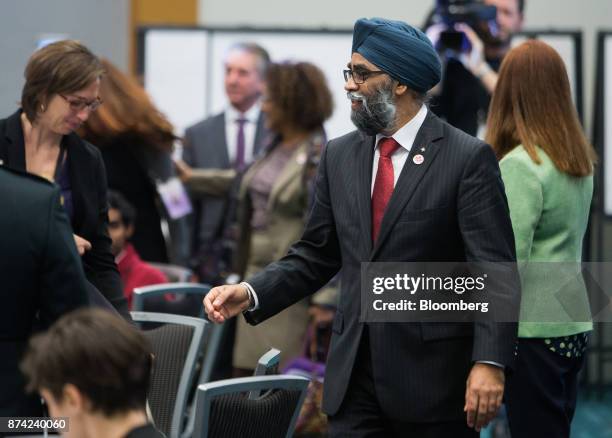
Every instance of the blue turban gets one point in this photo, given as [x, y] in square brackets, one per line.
[400, 50]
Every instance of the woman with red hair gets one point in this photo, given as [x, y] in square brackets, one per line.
[547, 167]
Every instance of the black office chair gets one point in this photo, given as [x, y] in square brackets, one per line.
[174, 273]
[213, 336]
[224, 410]
[267, 365]
[176, 341]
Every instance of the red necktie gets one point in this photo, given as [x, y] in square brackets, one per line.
[383, 185]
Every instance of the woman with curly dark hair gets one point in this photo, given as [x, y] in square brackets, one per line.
[274, 198]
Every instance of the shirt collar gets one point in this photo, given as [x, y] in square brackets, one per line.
[127, 253]
[406, 135]
[251, 115]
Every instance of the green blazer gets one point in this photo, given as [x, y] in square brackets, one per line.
[549, 211]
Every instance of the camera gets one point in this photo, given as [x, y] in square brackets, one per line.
[474, 13]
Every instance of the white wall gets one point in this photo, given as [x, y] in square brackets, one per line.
[585, 15]
[589, 16]
[103, 26]
[311, 13]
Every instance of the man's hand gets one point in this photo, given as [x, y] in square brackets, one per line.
[475, 60]
[483, 394]
[81, 244]
[224, 302]
[183, 169]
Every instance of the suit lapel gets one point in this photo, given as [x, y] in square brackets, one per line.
[410, 176]
[294, 167]
[14, 154]
[220, 139]
[261, 135]
[365, 152]
[79, 169]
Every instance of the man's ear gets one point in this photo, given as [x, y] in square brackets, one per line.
[401, 89]
[129, 232]
[73, 399]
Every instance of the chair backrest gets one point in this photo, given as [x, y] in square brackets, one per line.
[141, 294]
[224, 410]
[210, 354]
[212, 337]
[175, 273]
[267, 365]
[176, 342]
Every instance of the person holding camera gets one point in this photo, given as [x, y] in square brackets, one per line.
[472, 38]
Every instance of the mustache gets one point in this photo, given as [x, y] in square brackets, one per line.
[353, 95]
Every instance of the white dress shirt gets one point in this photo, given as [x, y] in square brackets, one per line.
[232, 115]
[405, 136]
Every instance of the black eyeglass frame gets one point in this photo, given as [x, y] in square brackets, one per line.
[78, 105]
[359, 77]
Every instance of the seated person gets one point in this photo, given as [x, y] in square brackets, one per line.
[134, 272]
[100, 387]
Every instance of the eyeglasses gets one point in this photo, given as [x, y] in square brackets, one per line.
[360, 76]
[77, 105]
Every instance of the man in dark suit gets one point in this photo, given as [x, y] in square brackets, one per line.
[42, 277]
[227, 140]
[405, 187]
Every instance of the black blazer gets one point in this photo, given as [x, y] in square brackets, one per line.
[41, 273]
[131, 167]
[88, 181]
[452, 207]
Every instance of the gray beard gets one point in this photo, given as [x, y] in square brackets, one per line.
[377, 112]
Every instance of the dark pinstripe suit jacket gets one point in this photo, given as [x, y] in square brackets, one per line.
[450, 208]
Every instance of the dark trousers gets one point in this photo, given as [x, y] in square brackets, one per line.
[360, 415]
[541, 392]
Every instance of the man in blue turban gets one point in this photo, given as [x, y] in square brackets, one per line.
[404, 187]
[406, 57]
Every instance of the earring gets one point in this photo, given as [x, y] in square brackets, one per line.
[42, 108]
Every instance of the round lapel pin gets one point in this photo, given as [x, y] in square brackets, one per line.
[418, 159]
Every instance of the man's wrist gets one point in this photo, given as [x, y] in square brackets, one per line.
[251, 295]
[482, 70]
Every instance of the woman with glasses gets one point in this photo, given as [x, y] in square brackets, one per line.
[62, 81]
[547, 165]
